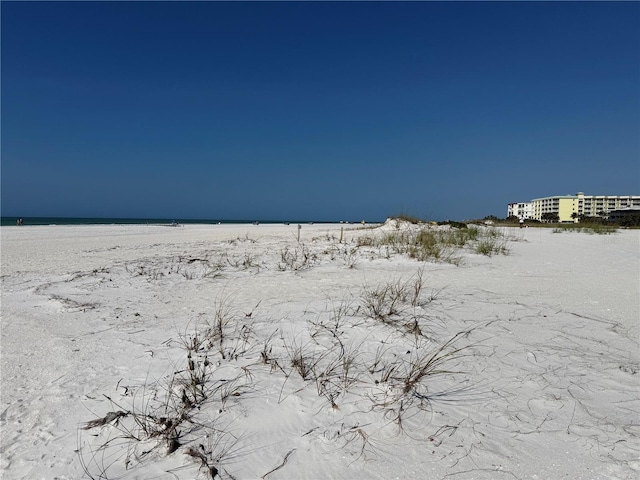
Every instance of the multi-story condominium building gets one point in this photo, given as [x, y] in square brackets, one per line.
[569, 208]
[521, 210]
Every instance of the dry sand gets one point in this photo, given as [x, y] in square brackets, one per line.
[543, 382]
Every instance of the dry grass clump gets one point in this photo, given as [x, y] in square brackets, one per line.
[373, 358]
[169, 417]
[188, 267]
[412, 219]
[439, 244]
[387, 302]
[297, 258]
[492, 242]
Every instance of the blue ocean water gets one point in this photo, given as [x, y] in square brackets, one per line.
[7, 221]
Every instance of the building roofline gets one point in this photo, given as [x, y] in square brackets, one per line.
[555, 196]
[587, 196]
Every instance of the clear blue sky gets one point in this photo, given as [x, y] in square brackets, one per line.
[313, 110]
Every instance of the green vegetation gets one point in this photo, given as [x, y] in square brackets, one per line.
[440, 244]
[630, 221]
[404, 217]
[551, 220]
[593, 228]
[550, 217]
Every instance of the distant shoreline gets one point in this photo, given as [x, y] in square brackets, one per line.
[40, 221]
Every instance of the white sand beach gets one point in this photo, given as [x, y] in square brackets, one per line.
[239, 352]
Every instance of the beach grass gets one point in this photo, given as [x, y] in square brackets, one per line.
[445, 244]
[333, 359]
[590, 228]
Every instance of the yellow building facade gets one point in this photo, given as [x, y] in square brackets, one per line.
[563, 207]
[569, 208]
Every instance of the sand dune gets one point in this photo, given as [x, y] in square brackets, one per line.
[236, 351]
